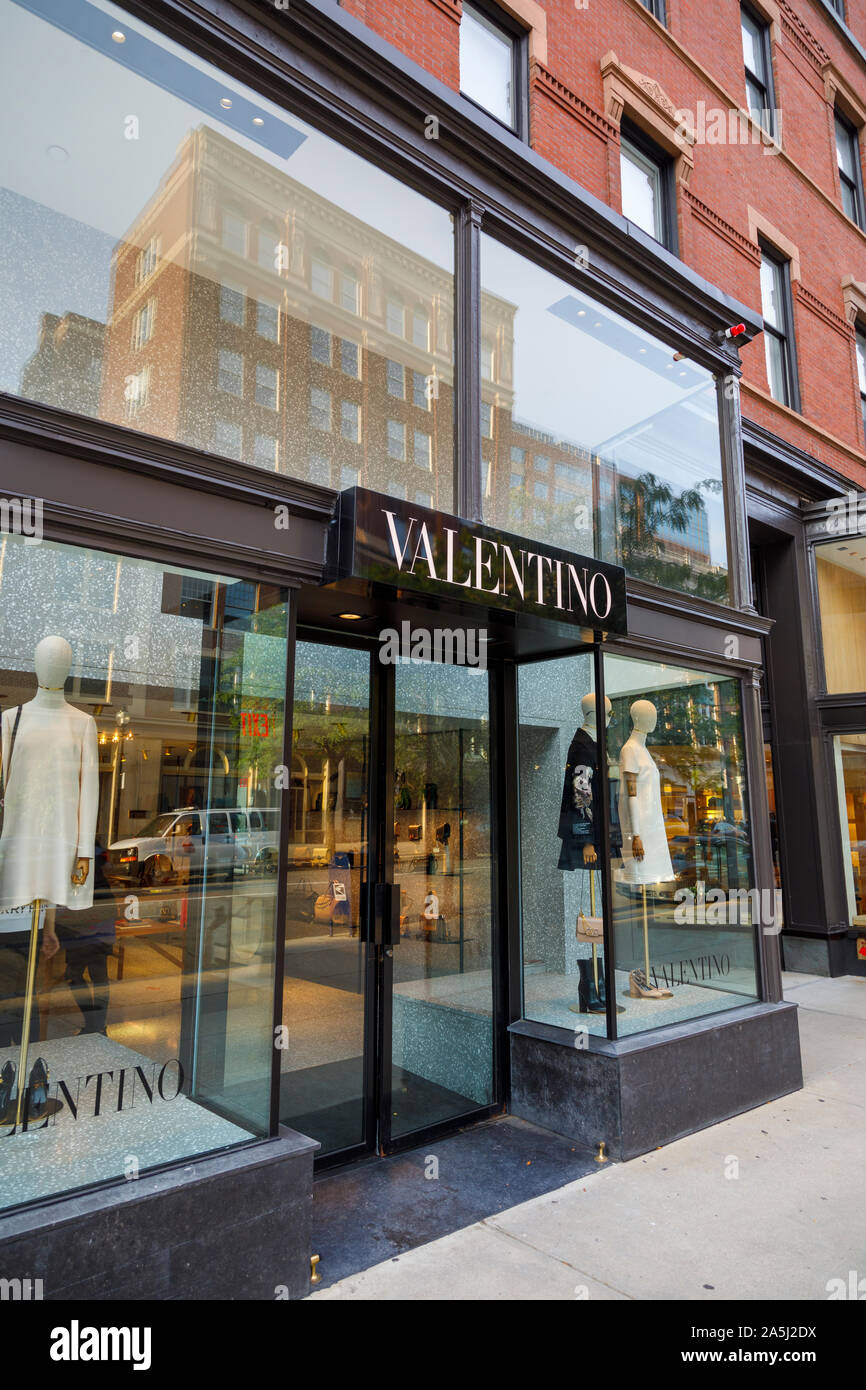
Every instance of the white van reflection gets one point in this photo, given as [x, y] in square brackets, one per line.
[181, 845]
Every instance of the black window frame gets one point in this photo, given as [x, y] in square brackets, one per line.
[657, 9]
[518, 37]
[763, 80]
[785, 335]
[838, 7]
[632, 135]
[855, 185]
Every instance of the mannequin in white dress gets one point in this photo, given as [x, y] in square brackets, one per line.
[51, 792]
[645, 842]
[645, 852]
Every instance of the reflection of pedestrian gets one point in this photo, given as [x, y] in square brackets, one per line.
[88, 937]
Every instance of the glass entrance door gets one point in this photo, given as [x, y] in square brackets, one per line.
[439, 979]
[388, 1032]
[324, 1063]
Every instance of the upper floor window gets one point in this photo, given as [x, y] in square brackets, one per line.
[320, 345]
[230, 372]
[850, 171]
[861, 372]
[778, 327]
[321, 281]
[268, 320]
[349, 292]
[148, 259]
[268, 248]
[494, 63]
[395, 318]
[759, 68]
[232, 299]
[234, 232]
[656, 7]
[838, 6]
[420, 329]
[646, 175]
[142, 324]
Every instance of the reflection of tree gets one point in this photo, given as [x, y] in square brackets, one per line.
[648, 507]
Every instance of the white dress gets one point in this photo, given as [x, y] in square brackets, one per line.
[51, 801]
[656, 864]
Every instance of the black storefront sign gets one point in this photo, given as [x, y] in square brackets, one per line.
[385, 540]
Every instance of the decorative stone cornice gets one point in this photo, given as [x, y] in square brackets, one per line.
[723, 229]
[854, 295]
[453, 8]
[552, 87]
[799, 32]
[822, 310]
[645, 102]
[838, 93]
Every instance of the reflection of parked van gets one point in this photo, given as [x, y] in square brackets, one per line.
[172, 846]
[257, 837]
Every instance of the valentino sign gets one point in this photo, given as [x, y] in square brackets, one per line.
[386, 540]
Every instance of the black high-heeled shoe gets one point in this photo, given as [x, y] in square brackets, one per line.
[38, 1087]
[7, 1085]
[587, 994]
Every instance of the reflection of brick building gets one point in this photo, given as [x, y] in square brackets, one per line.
[322, 348]
[66, 368]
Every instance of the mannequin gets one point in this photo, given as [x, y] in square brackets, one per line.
[51, 795]
[580, 831]
[645, 842]
[52, 792]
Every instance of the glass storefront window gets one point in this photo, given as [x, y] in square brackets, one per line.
[684, 906]
[850, 758]
[175, 217]
[144, 759]
[631, 435]
[841, 571]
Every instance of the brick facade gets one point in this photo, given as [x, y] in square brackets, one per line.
[697, 58]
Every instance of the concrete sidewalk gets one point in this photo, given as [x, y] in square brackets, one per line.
[767, 1205]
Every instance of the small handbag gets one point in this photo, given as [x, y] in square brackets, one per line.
[590, 929]
[323, 906]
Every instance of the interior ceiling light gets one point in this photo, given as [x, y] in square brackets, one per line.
[118, 36]
[351, 617]
[226, 102]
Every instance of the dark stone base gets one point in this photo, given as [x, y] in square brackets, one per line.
[234, 1226]
[822, 955]
[647, 1090]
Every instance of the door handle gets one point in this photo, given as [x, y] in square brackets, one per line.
[386, 926]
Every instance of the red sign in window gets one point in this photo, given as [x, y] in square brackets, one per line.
[255, 724]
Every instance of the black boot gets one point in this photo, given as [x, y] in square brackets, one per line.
[587, 994]
[602, 989]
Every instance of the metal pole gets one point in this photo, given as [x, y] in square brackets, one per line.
[28, 1009]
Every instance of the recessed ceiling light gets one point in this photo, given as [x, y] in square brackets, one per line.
[642, 351]
[226, 102]
[581, 313]
[597, 324]
[58, 153]
[118, 36]
[351, 617]
[257, 120]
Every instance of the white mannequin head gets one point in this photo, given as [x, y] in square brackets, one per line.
[587, 704]
[644, 716]
[52, 661]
